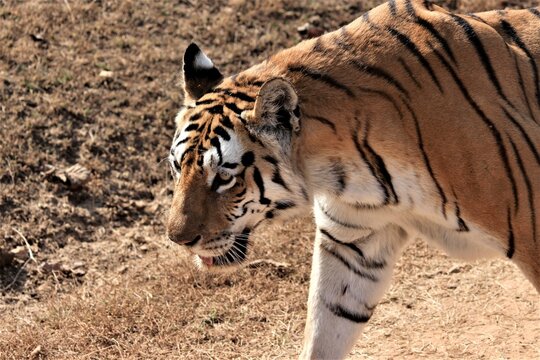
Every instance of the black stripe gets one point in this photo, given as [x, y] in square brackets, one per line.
[276, 176]
[343, 223]
[429, 27]
[409, 72]
[462, 226]
[277, 179]
[381, 74]
[255, 83]
[239, 95]
[192, 127]
[219, 182]
[363, 260]
[318, 46]
[413, 49]
[376, 166]
[195, 117]
[381, 169]
[260, 184]
[482, 54]
[524, 135]
[286, 204]
[344, 261]
[530, 193]
[522, 86]
[233, 108]
[535, 12]
[392, 7]
[409, 8]
[343, 42]
[322, 78]
[477, 18]
[206, 102]
[225, 121]
[304, 193]
[340, 311]
[511, 32]
[222, 132]
[363, 155]
[241, 193]
[229, 165]
[322, 120]
[511, 241]
[425, 157]
[490, 125]
[338, 170]
[358, 251]
[270, 159]
[216, 109]
[182, 141]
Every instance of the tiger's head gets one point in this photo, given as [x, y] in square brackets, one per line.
[233, 161]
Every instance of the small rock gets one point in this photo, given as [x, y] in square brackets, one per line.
[75, 177]
[78, 264]
[290, 15]
[40, 40]
[78, 272]
[309, 31]
[36, 352]
[139, 204]
[315, 20]
[21, 252]
[106, 74]
[303, 29]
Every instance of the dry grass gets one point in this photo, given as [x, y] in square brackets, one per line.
[161, 308]
[137, 296]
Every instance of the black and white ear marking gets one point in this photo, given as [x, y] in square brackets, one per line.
[200, 74]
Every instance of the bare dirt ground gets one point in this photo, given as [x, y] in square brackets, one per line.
[85, 269]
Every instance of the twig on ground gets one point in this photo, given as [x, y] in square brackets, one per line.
[30, 252]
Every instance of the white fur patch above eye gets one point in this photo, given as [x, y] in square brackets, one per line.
[202, 61]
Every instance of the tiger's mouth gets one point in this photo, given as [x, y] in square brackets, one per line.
[235, 255]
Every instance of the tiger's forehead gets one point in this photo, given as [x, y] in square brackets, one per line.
[209, 130]
[208, 137]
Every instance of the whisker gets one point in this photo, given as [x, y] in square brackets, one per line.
[166, 158]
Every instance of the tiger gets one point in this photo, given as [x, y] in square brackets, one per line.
[410, 122]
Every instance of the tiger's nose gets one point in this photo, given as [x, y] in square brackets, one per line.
[181, 240]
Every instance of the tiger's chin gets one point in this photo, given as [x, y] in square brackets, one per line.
[232, 259]
[210, 265]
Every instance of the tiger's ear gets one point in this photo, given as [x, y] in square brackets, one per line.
[200, 74]
[276, 114]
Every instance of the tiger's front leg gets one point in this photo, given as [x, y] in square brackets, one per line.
[348, 278]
